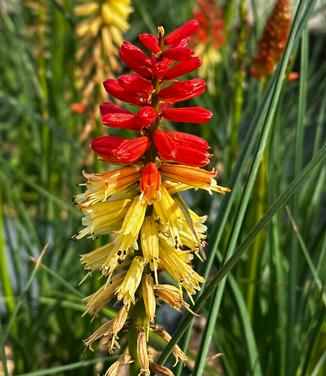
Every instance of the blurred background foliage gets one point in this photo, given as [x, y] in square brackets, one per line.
[270, 317]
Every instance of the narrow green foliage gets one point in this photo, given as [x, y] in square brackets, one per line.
[263, 303]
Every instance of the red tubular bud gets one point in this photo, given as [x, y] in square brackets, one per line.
[182, 43]
[106, 147]
[131, 150]
[183, 68]
[78, 108]
[182, 32]
[109, 107]
[150, 183]
[178, 53]
[134, 83]
[115, 89]
[197, 115]
[150, 42]
[120, 150]
[136, 59]
[120, 120]
[182, 148]
[146, 116]
[159, 68]
[142, 119]
[181, 91]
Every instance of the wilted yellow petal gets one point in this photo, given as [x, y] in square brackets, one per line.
[96, 301]
[115, 368]
[142, 353]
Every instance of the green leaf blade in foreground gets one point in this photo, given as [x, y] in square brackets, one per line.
[319, 158]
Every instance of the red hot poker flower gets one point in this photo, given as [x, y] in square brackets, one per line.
[184, 90]
[178, 53]
[136, 59]
[119, 201]
[273, 40]
[106, 146]
[131, 150]
[150, 182]
[142, 119]
[109, 107]
[210, 19]
[150, 42]
[134, 83]
[119, 150]
[188, 114]
[182, 148]
[184, 67]
[182, 32]
[114, 88]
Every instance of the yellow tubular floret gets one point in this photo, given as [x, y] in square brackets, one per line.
[126, 292]
[174, 264]
[101, 217]
[86, 9]
[96, 259]
[148, 296]
[150, 243]
[169, 213]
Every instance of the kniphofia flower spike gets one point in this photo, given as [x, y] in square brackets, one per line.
[208, 39]
[139, 205]
[273, 40]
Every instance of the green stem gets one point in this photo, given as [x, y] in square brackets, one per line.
[137, 320]
[239, 83]
[257, 211]
[4, 274]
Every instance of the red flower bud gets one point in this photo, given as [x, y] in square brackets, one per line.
[184, 31]
[188, 114]
[106, 147]
[134, 83]
[131, 150]
[109, 107]
[115, 89]
[178, 53]
[293, 76]
[142, 119]
[181, 91]
[150, 183]
[150, 42]
[146, 116]
[136, 59]
[121, 120]
[120, 150]
[160, 67]
[182, 148]
[79, 108]
[182, 68]
[182, 43]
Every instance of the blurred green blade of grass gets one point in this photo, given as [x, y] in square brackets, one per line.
[267, 126]
[66, 367]
[298, 158]
[280, 202]
[22, 295]
[305, 252]
[318, 367]
[3, 357]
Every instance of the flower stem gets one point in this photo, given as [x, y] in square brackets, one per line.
[137, 319]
